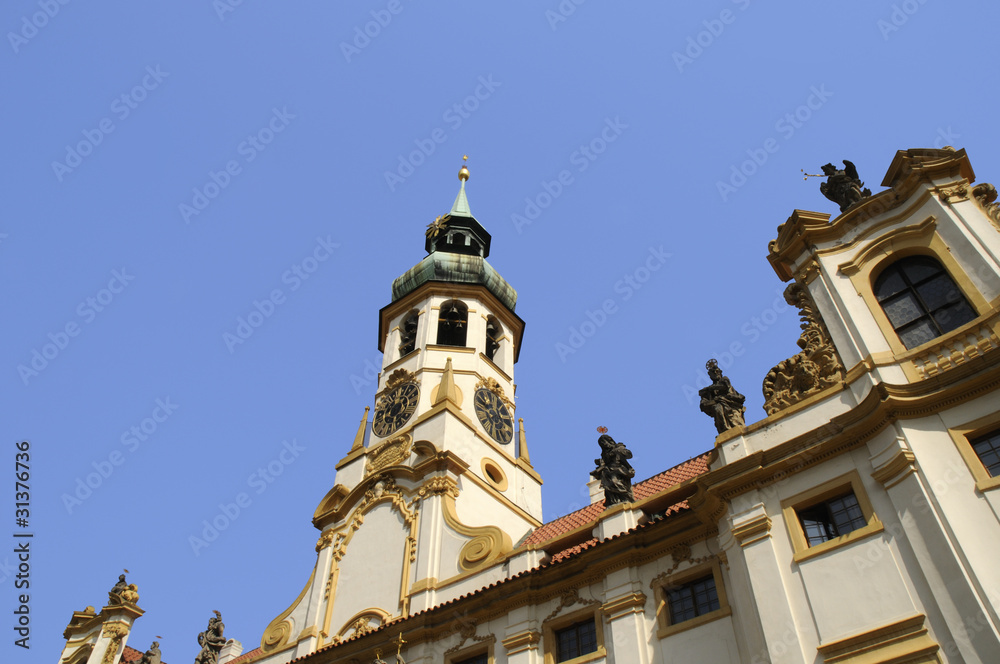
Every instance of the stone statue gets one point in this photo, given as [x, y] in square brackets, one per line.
[115, 594]
[843, 187]
[131, 594]
[614, 471]
[720, 401]
[151, 656]
[211, 641]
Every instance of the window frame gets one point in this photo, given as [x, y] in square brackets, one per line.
[826, 491]
[911, 287]
[561, 622]
[711, 568]
[474, 650]
[964, 435]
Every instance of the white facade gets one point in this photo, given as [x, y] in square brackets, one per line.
[431, 544]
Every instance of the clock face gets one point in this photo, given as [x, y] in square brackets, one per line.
[394, 408]
[494, 416]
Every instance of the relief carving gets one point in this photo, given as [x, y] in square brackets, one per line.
[986, 195]
[815, 368]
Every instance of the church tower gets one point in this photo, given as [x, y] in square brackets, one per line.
[437, 487]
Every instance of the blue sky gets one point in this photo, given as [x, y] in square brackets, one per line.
[169, 166]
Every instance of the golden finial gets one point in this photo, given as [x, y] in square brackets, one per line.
[399, 643]
[463, 174]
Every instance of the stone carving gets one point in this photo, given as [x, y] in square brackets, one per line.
[123, 593]
[720, 401]
[614, 471]
[843, 187]
[399, 377]
[151, 656]
[390, 453]
[986, 195]
[115, 632]
[211, 641]
[815, 368]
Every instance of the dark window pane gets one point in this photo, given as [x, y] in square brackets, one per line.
[920, 268]
[484, 658]
[692, 599]
[832, 518]
[575, 640]
[939, 291]
[889, 284]
[903, 309]
[918, 333]
[988, 450]
[954, 316]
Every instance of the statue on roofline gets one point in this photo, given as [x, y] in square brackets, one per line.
[211, 641]
[614, 471]
[721, 401]
[843, 187]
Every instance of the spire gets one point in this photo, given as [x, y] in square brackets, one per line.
[461, 206]
[447, 390]
[522, 443]
[359, 439]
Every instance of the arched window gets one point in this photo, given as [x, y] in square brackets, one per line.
[408, 334]
[921, 300]
[453, 323]
[494, 333]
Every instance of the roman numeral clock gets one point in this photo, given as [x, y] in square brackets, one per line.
[492, 409]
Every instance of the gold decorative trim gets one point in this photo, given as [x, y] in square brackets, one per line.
[896, 469]
[568, 598]
[521, 641]
[956, 347]
[985, 195]
[550, 628]
[487, 465]
[814, 369]
[953, 193]
[964, 435]
[902, 642]
[452, 349]
[360, 623]
[701, 569]
[491, 384]
[399, 377]
[884, 245]
[277, 633]
[115, 632]
[393, 452]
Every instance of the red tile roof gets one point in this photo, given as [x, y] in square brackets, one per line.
[590, 514]
[247, 655]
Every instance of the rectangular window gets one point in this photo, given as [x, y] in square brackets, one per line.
[576, 640]
[829, 516]
[987, 449]
[832, 518]
[692, 599]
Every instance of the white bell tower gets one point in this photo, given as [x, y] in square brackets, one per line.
[437, 488]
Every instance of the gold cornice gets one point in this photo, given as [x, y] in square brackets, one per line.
[521, 641]
[753, 530]
[624, 605]
[901, 464]
[409, 356]
[903, 640]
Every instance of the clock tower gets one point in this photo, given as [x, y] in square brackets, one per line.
[437, 488]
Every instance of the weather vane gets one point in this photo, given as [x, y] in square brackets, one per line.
[811, 175]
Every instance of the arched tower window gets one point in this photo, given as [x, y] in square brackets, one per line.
[921, 300]
[408, 334]
[494, 333]
[453, 323]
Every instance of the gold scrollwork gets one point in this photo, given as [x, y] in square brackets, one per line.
[390, 453]
[986, 195]
[493, 386]
[116, 632]
[398, 377]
